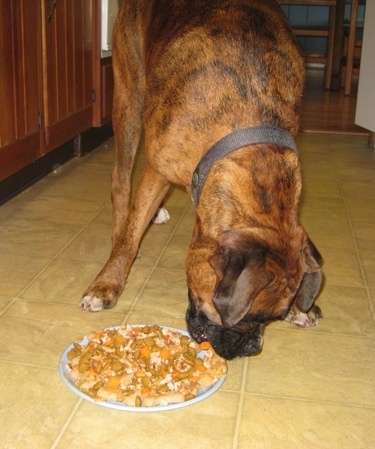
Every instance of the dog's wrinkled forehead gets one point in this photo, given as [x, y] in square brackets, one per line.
[254, 281]
[250, 293]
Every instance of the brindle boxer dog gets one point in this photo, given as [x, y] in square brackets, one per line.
[216, 87]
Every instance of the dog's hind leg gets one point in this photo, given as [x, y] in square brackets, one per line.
[304, 319]
[162, 215]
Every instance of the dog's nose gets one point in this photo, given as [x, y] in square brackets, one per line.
[199, 335]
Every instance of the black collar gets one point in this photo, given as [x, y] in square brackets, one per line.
[271, 135]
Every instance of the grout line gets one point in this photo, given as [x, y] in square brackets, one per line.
[56, 255]
[316, 330]
[66, 424]
[349, 218]
[173, 232]
[30, 365]
[312, 401]
[239, 413]
[11, 302]
[155, 265]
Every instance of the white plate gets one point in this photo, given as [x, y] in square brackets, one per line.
[69, 381]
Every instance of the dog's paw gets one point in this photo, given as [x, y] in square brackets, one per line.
[91, 303]
[311, 318]
[161, 216]
[100, 296]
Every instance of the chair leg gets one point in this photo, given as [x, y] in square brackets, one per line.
[371, 140]
[330, 47]
[351, 44]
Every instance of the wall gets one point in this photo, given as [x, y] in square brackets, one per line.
[365, 112]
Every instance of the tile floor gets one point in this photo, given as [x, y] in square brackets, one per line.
[309, 388]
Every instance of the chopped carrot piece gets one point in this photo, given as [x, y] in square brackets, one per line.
[113, 383]
[145, 390]
[140, 374]
[145, 351]
[205, 345]
[200, 368]
[165, 353]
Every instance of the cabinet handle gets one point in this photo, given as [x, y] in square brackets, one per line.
[51, 10]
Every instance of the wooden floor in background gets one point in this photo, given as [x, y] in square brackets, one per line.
[327, 111]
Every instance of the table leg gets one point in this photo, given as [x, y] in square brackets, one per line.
[339, 33]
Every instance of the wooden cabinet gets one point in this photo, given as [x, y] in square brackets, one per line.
[20, 84]
[53, 84]
[67, 67]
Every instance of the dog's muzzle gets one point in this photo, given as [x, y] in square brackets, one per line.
[244, 339]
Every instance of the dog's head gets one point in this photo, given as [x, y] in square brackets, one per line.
[243, 286]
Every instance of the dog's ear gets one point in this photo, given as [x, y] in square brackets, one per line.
[312, 279]
[241, 274]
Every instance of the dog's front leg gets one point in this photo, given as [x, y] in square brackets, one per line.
[108, 285]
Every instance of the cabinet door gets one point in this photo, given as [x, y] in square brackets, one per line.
[67, 68]
[20, 82]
